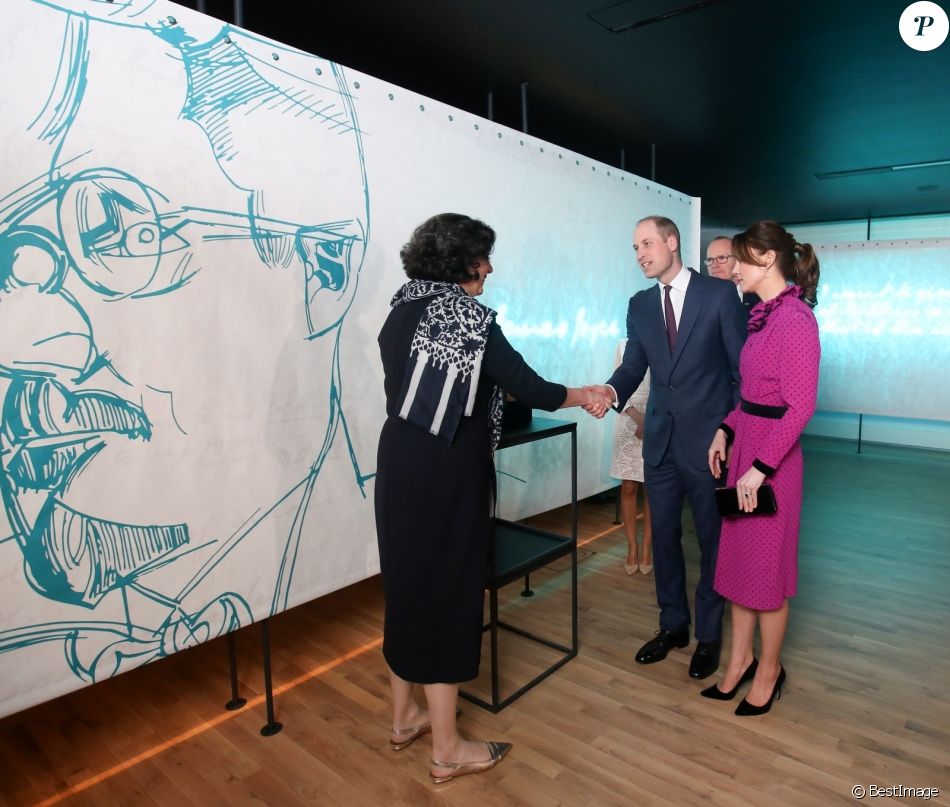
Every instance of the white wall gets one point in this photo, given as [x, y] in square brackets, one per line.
[199, 237]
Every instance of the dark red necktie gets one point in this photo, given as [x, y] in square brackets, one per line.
[670, 319]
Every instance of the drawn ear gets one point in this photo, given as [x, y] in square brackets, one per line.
[332, 261]
[32, 256]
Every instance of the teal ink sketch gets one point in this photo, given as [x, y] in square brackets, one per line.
[86, 235]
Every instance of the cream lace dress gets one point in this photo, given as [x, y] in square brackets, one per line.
[627, 460]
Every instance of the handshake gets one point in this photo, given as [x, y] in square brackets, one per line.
[596, 399]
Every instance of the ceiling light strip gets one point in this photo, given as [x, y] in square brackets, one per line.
[881, 169]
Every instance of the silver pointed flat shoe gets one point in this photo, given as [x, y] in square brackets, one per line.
[497, 752]
[410, 734]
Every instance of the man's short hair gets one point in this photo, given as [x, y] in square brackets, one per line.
[665, 227]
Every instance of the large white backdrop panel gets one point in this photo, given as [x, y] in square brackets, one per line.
[190, 293]
[564, 266]
[884, 317]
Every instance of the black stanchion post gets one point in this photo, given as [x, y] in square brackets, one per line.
[272, 726]
[493, 615]
[860, 430]
[236, 701]
[524, 107]
[527, 587]
[574, 514]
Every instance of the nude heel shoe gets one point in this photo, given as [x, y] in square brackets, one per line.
[646, 568]
[631, 568]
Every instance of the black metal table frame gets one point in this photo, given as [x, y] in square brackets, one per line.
[539, 429]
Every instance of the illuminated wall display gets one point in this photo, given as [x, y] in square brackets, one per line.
[884, 317]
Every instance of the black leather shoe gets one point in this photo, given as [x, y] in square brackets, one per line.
[705, 659]
[661, 644]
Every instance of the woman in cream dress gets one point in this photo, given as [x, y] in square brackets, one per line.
[627, 466]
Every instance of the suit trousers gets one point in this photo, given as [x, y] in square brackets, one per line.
[666, 485]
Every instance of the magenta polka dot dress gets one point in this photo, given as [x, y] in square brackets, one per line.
[758, 555]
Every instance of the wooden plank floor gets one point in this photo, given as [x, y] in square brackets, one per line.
[867, 700]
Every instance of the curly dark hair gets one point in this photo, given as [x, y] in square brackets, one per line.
[446, 247]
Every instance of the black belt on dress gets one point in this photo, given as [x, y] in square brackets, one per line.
[761, 410]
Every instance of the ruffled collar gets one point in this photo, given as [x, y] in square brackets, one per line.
[761, 311]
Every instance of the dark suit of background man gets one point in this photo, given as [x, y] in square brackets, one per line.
[688, 329]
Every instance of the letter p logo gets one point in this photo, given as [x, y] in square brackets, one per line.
[924, 22]
[924, 25]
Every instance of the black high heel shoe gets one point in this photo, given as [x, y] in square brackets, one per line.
[745, 708]
[717, 694]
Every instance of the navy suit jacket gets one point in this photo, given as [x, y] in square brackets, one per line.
[749, 300]
[692, 389]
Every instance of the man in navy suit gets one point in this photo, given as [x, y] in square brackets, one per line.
[688, 329]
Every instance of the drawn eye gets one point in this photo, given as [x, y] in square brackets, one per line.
[145, 239]
[110, 226]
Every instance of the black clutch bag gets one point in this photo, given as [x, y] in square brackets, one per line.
[728, 502]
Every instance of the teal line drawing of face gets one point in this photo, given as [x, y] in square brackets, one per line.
[170, 312]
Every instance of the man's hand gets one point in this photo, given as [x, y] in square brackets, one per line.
[599, 399]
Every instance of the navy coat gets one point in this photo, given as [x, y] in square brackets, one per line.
[694, 388]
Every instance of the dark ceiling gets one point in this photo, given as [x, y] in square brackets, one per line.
[746, 101]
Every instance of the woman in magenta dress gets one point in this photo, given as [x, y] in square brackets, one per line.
[757, 567]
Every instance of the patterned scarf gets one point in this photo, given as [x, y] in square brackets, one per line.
[447, 348]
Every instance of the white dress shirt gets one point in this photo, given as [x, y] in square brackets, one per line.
[677, 294]
[677, 298]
